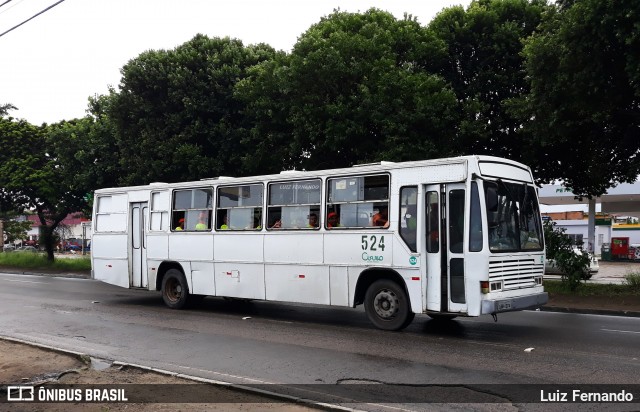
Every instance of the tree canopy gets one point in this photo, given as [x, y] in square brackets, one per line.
[38, 172]
[555, 86]
[357, 87]
[582, 115]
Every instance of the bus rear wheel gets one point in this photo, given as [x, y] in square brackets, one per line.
[175, 291]
[387, 305]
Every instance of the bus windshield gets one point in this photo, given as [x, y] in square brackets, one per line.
[513, 217]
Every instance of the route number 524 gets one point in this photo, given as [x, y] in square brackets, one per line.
[372, 243]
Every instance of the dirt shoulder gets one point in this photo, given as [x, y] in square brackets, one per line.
[22, 364]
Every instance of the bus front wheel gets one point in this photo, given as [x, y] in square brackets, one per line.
[387, 305]
[175, 291]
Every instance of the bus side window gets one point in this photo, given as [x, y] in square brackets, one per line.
[294, 205]
[239, 207]
[358, 202]
[409, 216]
[433, 223]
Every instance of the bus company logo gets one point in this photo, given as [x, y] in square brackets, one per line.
[20, 393]
[413, 260]
[372, 258]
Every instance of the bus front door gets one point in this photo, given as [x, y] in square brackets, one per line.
[445, 224]
[138, 243]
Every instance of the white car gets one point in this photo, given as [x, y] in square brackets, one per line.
[550, 267]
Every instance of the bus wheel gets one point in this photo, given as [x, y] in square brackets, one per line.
[387, 305]
[175, 291]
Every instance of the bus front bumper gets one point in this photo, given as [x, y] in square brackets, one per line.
[515, 303]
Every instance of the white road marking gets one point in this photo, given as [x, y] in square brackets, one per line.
[621, 331]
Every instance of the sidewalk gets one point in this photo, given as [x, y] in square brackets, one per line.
[610, 272]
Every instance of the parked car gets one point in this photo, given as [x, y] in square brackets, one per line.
[26, 249]
[550, 267]
[9, 247]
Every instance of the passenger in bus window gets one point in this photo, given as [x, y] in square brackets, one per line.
[203, 221]
[225, 223]
[332, 220]
[313, 221]
[381, 218]
[180, 224]
[277, 224]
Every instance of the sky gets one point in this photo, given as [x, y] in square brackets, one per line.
[52, 64]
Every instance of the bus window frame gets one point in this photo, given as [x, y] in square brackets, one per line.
[218, 209]
[268, 205]
[185, 212]
[374, 203]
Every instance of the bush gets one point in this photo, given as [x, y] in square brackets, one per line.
[633, 280]
[574, 266]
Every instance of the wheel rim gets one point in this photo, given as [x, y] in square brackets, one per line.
[386, 304]
[174, 290]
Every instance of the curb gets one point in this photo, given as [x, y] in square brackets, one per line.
[582, 311]
[228, 385]
[53, 274]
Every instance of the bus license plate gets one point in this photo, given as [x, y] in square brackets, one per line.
[504, 305]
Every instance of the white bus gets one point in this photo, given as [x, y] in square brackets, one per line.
[447, 237]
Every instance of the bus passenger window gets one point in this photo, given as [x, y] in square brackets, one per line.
[294, 205]
[192, 209]
[239, 207]
[358, 202]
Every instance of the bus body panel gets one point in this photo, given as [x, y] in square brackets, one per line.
[240, 280]
[111, 271]
[202, 283]
[296, 247]
[298, 283]
[239, 247]
[191, 246]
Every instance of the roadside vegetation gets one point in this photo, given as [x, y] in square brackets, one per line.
[631, 287]
[32, 261]
[574, 266]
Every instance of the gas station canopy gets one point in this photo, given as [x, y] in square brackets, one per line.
[623, 199]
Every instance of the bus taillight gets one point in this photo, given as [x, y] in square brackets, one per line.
[484, 286]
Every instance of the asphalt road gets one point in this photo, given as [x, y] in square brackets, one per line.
[273, 343]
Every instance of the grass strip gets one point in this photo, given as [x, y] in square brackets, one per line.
[592, 289]
[30, 260]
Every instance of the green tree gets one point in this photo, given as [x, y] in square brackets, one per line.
[485, 68]
[175, 116]
[15, 230]
[38, 172]
[357, 87]
[582, 115]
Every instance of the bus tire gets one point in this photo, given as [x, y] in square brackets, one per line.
[175, 291]
[387, 305]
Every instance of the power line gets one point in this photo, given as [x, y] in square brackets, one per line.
[8, 1]
[32, 17]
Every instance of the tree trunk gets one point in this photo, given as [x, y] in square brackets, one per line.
[48, 240]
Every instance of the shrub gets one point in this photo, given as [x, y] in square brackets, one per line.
[559, 247]
[633, 280]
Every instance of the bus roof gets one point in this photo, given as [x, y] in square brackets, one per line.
[302, 174]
